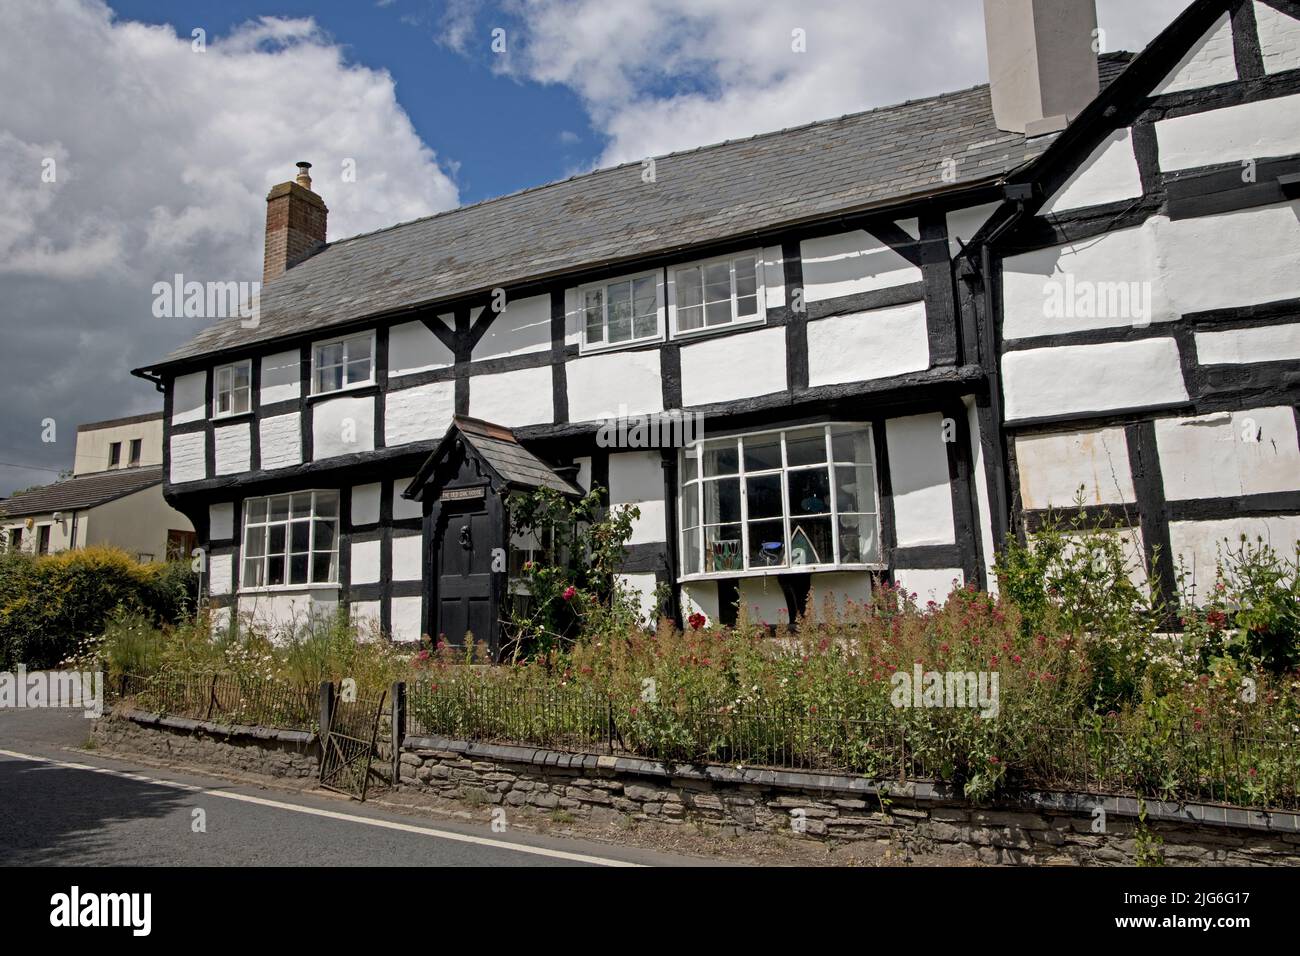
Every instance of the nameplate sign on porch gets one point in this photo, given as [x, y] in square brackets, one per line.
[461, 494]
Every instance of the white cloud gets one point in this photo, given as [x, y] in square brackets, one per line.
[163, 158]
[663, 75]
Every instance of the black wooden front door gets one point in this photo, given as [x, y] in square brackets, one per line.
[463, 558]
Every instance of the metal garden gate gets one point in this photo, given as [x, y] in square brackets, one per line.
[349, 741]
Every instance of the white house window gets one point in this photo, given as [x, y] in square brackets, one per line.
[232, 389]
[795, 498]
[723, 292]
[343, 362]
[620, 312]
[291, 539]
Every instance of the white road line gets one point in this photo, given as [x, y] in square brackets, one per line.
[329, 814]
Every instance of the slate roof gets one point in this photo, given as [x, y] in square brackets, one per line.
[84, 491]
[496, 444]
[877, 158]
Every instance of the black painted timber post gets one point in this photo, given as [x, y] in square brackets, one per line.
[326, 710]
[399, 728]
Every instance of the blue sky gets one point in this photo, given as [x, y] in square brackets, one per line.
[165, 153]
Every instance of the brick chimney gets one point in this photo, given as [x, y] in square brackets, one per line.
[1042, 65]
[295, 224]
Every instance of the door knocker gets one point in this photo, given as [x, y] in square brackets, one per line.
[464, 536]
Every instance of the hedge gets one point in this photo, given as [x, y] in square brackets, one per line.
[50, 604]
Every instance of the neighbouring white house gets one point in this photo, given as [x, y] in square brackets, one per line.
[114, 497]
[910, 332]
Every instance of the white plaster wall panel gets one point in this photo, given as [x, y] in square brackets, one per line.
[849, 263]
[1110, 280]
[701, 597]
[963, 224]
[188, 404]
[405, 615]
[918, 471]
[985, 517]
[188, 458]
[406, 557]
[365, 504]
[604, 386]
[343, 426]
[523, 326]
[281, 441]
[735, 366]
[219, 620]
[584, 472]
[637, 478]
[1265, 343]
[281, 377]
[280, 612]
[365, 616]
[1073, 379]
[1241, 258]
[910, 226]
[774, 277]
[232, 447]
[652, 526]
[418, 414]
[1109, 175]
[221, 521]
[1155, 272]
[1229, 454]
[405, 507]
[1054, 467]
[930, 584]
[413, 348]
[1279, 38]
[1231, 134]
[522, 397]
[1209, 62]
[1197, 545]
[762, 601]
[365, 561]
[1131, 547]
[220, 574]
[866, 345]
[572, 318]
[641, 588]
[839, 588]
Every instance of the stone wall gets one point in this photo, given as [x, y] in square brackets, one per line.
[1047, 828]
[287, 754]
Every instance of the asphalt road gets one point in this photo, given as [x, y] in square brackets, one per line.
[59, 807]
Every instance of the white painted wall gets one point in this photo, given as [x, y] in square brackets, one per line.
[641, 587]
[232, 447]
[407, 550]
[1071, 379]
[281, 377]
[866, 345]
[839, 588]
[365, 616]
[522, 397]
[343, 426]
[1279, 38]
[849, 263]
[280, 611]
[600, 385]
[405, 612]
[221, 521]
[1230, 134]
[774, 276]
[1265, 343]
[187, 398]
[365, 504]
[92, 452]
[1054, 467]
[736, 366]
[365, 561]
[1197, 545]
[281, 441]
[221, 574]
[1209, 62]
[418, 414]
[930, 585]
[637, 478]
[523, 326]
[964, 223]
[982, 498]
[762, 601]
[188, 458]
[137, 523]
[404, 507]
[1229, 454]
[1110, 174]
[413, 348]
[701, 597]
[918, 472]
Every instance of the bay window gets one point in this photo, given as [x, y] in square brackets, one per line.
[620, 312]
[343, 362]
[788, 499]
[291, 539]
[718, 293]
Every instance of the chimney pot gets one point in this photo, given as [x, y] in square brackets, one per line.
[1042, 62]
[295, 224]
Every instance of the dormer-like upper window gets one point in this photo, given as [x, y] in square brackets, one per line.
[343, 363]
[232, 389]
[718, 293]
[620, 312]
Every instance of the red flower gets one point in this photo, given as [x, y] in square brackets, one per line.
[697, 621]
[569, 592]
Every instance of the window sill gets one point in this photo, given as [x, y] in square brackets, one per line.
[291, 588]
[776, 572]
[359, 389]
[232, 417]
[584, 349]
[715, 329]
